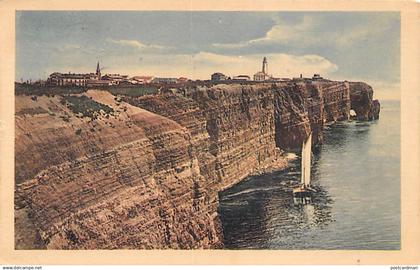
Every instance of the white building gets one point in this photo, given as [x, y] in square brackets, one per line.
[317, 77]
[218, 76]
[262, 75]
[142, 79]
[74, 79]
[241, 78]
[115, 79]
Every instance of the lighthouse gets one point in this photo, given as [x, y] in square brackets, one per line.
[262, 75]
[265, 66]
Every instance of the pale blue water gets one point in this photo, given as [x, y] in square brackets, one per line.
[357, 173]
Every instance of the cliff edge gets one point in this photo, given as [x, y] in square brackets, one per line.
[98, 171]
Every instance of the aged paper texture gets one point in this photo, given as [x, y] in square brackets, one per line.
[405, 251]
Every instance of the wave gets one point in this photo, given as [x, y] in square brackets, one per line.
[233, 203]
[252, 190]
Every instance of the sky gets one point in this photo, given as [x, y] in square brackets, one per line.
[354, 46]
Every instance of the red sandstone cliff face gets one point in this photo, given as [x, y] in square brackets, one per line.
[304, 107]
[232, 127]
[138, 179]
[148, 174]
[361, 95]
[131, 183]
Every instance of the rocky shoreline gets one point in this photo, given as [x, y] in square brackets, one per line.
[98, 171]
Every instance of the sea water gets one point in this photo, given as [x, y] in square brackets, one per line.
[357, 204]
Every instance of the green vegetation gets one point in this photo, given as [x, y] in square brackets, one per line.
[132, 91]
[86, 106]
[37, 90]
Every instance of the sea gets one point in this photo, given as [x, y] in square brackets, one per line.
[356, 173]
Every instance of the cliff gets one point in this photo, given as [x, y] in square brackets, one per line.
[304, 107]
[362, 103]
[96, 171]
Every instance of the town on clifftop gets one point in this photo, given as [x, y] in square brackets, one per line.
[98, 79]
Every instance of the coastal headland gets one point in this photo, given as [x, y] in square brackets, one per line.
[100, 169]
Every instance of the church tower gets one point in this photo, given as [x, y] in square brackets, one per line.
[98, 71]
[265, 66]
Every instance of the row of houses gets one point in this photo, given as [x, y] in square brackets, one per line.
[260, 76]
[97, 79]
[222, 77]
[316, 77]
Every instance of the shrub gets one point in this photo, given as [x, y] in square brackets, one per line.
[38, 90]
[65, 118]
[86, 106]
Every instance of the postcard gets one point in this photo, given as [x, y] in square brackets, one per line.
[245, 132]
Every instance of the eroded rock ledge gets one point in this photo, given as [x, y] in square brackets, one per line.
[147, 174]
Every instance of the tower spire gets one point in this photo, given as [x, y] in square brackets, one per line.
[98, 71]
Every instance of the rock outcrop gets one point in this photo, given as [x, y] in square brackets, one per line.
[362, 103]
[145, 172]
[304, 107]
